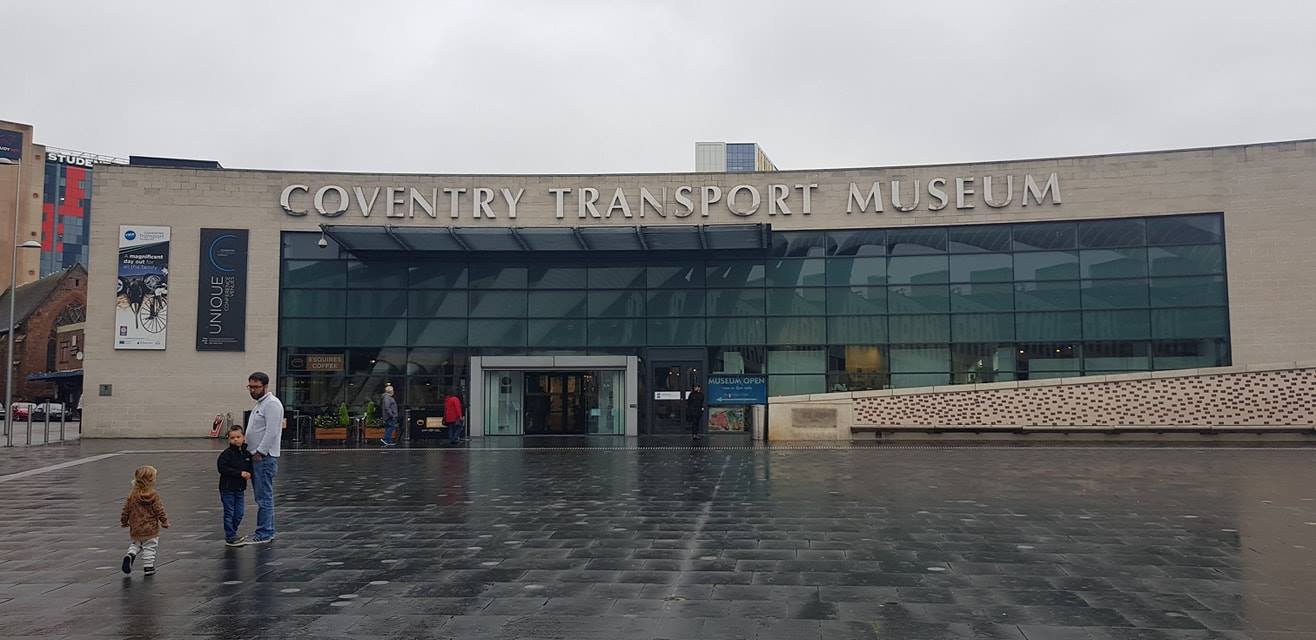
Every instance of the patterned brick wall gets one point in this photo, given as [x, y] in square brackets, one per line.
[1254, 398]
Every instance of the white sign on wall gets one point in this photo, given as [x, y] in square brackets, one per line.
[142, 304]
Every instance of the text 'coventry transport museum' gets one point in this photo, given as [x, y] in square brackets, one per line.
[592, 304]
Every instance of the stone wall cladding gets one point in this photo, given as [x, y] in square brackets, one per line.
[1254, 398]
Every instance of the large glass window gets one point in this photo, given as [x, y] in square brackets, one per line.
[896, 307]
[858, 242]
[376, 275]
[983, 267]
[498, 304]
[919, 299]
[969, 298]
[795, 273]
[735, 302]
[858, 271]
[918, 270]
[314, 303]
[314, 273]
[555, 277]
[1045, 236]
[797, 302]
[1112, 233]
[989, 238]
[848, 301]
[1198, 229]
[1187, 260]
[799, 244]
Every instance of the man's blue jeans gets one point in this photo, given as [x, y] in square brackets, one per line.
[262, 481]
[390, 429]
[234, 509]
[455, 430]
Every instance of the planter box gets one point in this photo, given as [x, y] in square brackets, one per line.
[332, 433]
[373, 433]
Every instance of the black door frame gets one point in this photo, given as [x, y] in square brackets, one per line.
[696, 358]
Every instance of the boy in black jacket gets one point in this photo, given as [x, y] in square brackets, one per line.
[234, 470]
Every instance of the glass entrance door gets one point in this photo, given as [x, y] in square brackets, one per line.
[670, 386]
[559, 402]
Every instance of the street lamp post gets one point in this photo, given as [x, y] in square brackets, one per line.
[13, 281]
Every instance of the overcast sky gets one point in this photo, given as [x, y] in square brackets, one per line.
[611, 86]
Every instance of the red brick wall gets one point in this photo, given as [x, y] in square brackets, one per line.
[32, 339]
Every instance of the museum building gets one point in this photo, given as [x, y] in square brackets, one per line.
[592, 304]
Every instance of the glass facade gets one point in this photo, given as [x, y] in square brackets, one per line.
[65, 217]
[741, 156]
[835, 310]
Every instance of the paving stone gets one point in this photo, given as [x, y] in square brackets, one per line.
[1025, 543]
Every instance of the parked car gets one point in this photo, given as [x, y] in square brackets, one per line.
[22, 410]
[54, 409]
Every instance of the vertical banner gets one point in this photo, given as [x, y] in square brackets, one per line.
[221, 313]
[141, 315]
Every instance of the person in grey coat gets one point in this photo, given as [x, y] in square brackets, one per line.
[390, 417]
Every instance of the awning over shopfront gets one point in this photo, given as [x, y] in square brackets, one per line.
[56, 375]
[397, 239]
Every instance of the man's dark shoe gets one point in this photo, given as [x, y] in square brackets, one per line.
[150, 571]
[128, 563]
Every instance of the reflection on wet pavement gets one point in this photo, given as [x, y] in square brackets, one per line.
[1021, 543]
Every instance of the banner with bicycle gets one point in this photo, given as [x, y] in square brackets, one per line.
[140, 316]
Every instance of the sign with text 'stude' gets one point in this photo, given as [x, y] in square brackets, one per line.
[221, 314]
[697, 201]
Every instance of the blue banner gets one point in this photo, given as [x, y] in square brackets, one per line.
[737, 389]
[11, 144]
[221, 314]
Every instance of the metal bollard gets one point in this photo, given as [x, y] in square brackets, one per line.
[61, 424]
[45, 439]
[29, 427]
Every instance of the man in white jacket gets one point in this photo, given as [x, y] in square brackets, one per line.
[264, 429]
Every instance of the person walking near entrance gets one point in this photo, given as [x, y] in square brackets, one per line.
[264, 429]
[452, 416]
[694, 411]
[390, 417]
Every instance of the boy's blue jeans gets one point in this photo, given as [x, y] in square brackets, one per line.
[234, 507]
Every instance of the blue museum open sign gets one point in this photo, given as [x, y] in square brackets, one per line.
[737, 389]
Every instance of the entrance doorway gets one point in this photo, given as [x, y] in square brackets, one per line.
[670, 386]
[554, 395]
[560, 402]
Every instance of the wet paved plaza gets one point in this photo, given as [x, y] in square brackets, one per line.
[917, 542]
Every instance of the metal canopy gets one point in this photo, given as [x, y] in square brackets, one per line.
[408, 239]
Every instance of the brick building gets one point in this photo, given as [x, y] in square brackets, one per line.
[49, 315]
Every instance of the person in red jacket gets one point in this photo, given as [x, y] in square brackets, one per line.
[452, 416]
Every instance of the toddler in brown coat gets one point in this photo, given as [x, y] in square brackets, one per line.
[143, 515]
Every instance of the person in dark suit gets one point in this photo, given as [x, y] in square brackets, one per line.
[694, 411]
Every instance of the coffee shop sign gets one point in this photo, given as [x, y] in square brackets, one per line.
[742, 201]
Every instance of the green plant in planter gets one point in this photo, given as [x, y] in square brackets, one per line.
[372, 418]
[326, 421]
[344, 418]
